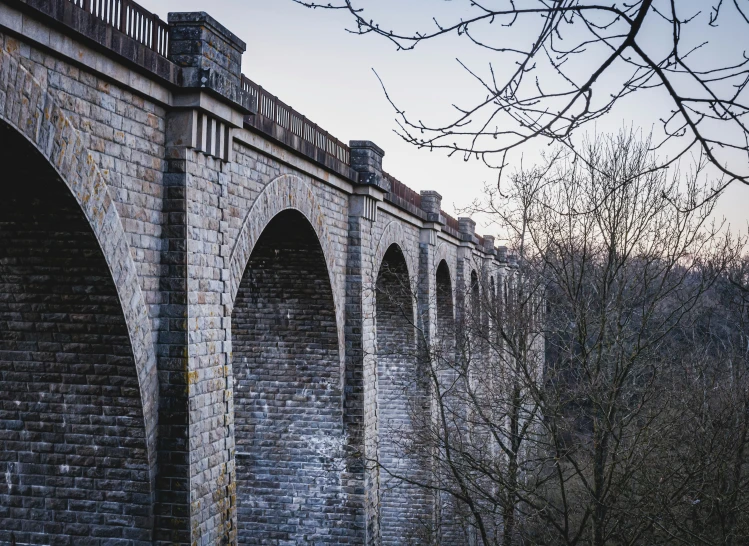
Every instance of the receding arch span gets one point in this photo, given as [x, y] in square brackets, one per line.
[475, 310]
[288, 408]
[447, 526]
[401, 401]
[394, 235]
[445, 314]
[76, 460]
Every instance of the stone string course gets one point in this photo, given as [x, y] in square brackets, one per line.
[192, 346]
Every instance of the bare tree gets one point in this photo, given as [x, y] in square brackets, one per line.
[622, 277]
[700, 478]
[562, 64]
[562, 410]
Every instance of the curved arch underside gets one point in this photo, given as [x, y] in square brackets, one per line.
[75, 458]
[474, 311]
[405, 509]
[445, 315]
[287, 394]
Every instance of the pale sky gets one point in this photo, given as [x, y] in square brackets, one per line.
[309, 61]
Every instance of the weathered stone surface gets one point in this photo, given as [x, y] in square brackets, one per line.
[290, 440]
[74, 454]
[192, 346]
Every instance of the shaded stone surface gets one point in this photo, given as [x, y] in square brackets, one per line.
[405, 509]
[287, 395]
[74, 456]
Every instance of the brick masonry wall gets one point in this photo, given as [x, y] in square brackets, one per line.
[124, 133]
[74, 455]
[405, 510]
[287, 395]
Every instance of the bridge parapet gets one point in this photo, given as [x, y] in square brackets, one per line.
[194, 51]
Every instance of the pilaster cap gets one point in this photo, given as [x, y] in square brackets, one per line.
[202, 19]
[367, 144]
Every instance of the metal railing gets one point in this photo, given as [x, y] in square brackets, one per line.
[284, 116]
[403, 192]
[132, 20]
[451, 222]
[273, 117]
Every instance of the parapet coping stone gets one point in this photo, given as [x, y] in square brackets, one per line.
[201, 18]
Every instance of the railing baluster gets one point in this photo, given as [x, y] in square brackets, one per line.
[123, 16]
[154, 32]
[270, 108]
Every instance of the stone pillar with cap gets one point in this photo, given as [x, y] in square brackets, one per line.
[196, 498]
[431, 204]
[467, 229]
[360, 402]
[502, 254]
[366, 159]
[210, 55]
[466, 232]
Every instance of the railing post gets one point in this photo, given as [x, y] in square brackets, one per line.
[155, 32]
[123, 16]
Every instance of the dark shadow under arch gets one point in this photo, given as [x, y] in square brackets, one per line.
[405, 509]
[287, 394]
[474, 313]
[445, 314]
[74, 453]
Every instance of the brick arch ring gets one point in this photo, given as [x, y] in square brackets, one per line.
[393, 234]
[32, 111]
[287, 192]
[443, 253]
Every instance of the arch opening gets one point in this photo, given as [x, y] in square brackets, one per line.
[447, 527]
[402, 401]
[288, 405]
[75, 457]
[445, 316]
[475, 301]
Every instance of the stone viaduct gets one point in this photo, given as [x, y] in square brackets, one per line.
[192, 348]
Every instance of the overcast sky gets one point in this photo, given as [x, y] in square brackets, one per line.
[309, 61]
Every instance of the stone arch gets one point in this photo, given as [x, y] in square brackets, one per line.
[444, 255]
[474, 290]
[32, 111]
[447, 526]
[393, 234]
[402, 404]
[445, 252]
[288, 397]
[445, 301]
[491, 302]
[36, 127]
[287, 192]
